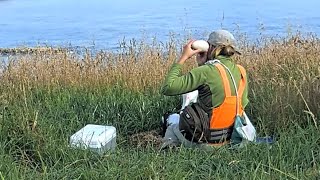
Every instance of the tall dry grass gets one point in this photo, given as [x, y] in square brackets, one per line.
[285, 79]
[134, 67]
[284, 73]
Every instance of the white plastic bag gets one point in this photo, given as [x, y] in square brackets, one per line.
[173, 119]
[245, 129]
[188, 98]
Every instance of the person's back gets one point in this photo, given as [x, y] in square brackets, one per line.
[214, 84]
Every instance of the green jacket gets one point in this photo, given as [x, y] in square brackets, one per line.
[206, 79]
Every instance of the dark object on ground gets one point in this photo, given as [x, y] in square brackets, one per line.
[265, 140]
[194, 123]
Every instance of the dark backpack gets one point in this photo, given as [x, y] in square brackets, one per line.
[194, 123]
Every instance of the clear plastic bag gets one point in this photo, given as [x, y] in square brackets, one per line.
[244, 128]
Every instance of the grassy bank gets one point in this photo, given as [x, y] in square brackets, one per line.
[46, 97]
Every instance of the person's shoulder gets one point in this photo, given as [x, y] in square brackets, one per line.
[212, 66]
[204, 68]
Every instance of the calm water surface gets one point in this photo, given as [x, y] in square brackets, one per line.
[105, 23]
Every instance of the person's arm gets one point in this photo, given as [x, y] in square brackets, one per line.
[176, 84]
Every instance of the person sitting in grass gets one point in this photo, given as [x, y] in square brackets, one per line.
[219, 81]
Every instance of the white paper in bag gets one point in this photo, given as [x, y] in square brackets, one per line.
[189, 98]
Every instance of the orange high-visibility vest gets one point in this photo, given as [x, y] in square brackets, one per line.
[222, 118]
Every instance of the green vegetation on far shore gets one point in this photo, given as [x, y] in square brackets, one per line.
[47, 96]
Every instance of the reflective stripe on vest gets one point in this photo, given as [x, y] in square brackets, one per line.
[222, 119]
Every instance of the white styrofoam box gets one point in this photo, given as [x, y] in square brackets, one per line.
[95, 137]
[190, 97]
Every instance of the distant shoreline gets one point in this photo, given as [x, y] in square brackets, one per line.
[29, 50]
